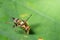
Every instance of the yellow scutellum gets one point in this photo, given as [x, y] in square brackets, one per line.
[40, 39]
[24, 15]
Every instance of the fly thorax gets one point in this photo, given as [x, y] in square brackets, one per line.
[21, 23]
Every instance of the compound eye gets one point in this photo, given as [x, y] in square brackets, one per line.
[17, 19]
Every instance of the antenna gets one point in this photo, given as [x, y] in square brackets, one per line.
[28, 17]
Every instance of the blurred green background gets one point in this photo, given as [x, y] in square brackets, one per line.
[45, 19]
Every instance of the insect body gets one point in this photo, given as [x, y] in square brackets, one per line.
[21, 23]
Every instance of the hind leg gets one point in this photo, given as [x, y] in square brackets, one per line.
[27, 32]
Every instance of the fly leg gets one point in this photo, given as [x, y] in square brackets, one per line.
[28, 30]
[14, 25]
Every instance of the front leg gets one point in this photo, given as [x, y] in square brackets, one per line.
[14, 25]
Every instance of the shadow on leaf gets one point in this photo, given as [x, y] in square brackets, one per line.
[31, 32]
[34, 26]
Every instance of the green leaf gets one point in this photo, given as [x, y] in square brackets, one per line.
[45, 19]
